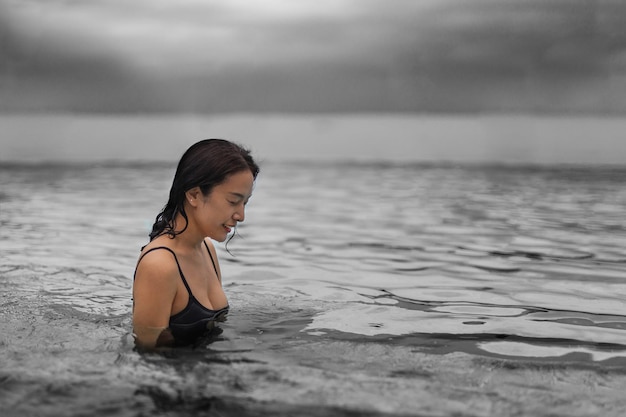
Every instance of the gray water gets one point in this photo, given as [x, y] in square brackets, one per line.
[356, 289]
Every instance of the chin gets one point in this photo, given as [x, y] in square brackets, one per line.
[221, 238]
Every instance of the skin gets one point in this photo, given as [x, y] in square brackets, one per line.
[158, 290]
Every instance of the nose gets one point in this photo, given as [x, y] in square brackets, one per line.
[240, 214]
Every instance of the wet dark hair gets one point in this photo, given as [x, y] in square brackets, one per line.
[205, 164]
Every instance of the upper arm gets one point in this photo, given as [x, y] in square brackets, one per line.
[154, 289]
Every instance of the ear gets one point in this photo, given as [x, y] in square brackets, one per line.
[193, 196]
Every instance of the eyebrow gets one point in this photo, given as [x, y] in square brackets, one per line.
[238, 195]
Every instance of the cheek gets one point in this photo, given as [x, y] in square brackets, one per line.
[220, 210]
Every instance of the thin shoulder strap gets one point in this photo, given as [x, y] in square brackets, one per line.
[212, 260]
[180, 271]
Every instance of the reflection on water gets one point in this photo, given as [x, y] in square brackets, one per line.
[354, 287]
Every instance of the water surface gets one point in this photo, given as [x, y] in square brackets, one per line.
[366, 288]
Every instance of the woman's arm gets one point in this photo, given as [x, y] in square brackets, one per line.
[154, 290]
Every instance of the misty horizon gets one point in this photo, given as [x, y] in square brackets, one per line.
[432, 56]
[393, 138]
[495, 81]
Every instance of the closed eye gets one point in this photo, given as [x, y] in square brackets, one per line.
[238, 199]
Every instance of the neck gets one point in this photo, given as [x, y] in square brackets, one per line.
[189, 237]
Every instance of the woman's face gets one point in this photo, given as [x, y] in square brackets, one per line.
[220, 211]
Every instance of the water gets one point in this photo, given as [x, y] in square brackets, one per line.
[356, 289]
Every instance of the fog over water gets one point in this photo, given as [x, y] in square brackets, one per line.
[497, 81]
[382, 137]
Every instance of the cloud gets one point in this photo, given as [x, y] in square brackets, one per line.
[323, 55]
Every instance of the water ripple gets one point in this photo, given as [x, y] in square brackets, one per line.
[430, 285]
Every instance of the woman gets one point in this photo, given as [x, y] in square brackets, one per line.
[177, 290]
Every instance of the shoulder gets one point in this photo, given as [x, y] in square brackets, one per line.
[214, 258]
[158, 263]
[210, 244]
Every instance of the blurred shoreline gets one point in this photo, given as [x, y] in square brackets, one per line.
[500, 139]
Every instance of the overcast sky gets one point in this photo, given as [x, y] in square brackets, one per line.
[206, 56]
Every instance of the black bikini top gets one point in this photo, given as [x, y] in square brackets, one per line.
[195, 320]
